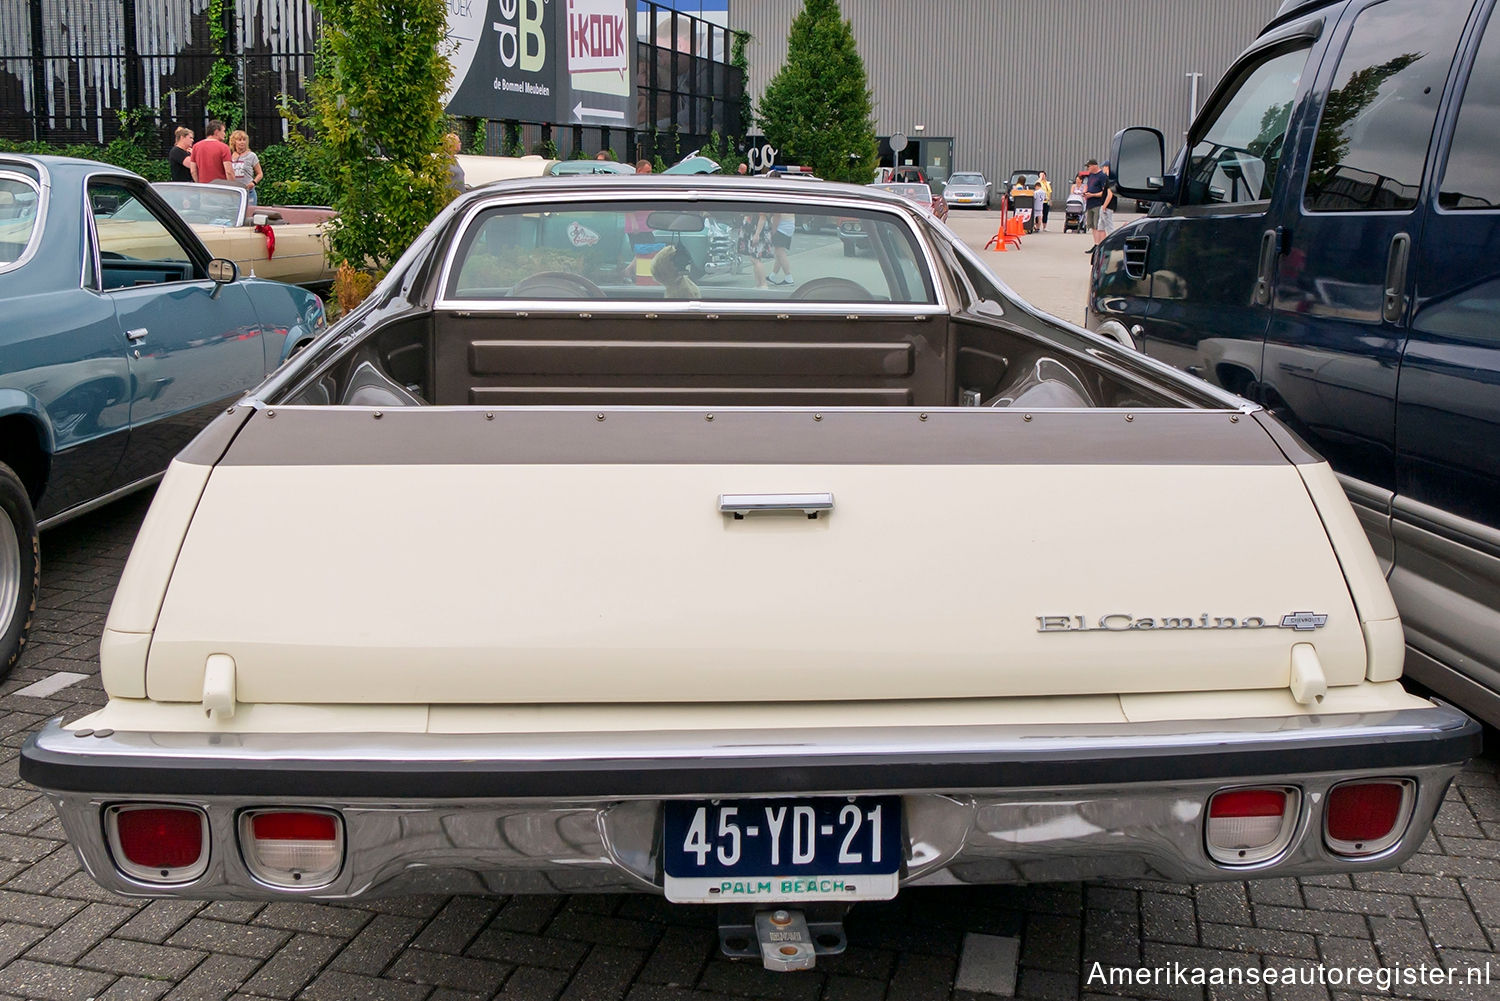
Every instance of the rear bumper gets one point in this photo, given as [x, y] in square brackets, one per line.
[564, 813]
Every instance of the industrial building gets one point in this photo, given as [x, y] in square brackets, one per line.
[1002, 85]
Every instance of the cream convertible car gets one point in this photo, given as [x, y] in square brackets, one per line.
[625, 563]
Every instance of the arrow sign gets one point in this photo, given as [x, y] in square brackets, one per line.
[579, 111]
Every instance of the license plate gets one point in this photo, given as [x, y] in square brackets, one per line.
[763, 850]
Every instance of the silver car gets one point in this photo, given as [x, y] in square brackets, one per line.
[967, 189]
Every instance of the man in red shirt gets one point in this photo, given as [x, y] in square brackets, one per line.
[210, 155]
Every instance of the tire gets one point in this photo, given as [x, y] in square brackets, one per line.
[849, 250]
[20, 568]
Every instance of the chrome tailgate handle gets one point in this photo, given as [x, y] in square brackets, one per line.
[740, 505]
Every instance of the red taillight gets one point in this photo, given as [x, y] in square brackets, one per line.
[294, 827]
[1242, 803]
[1249, 825]
[1362, 818]
[292, 847]
[159, 843]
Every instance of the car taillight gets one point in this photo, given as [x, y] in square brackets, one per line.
[292, 847]
[1250, 825]
[1366, 817]
[157, 843]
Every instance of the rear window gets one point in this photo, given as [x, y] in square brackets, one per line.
[19, 198]
[639, 251]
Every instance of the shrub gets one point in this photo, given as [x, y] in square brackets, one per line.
[377, 115]
[817, 108]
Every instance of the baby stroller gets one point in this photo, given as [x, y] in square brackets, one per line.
[1073, 209]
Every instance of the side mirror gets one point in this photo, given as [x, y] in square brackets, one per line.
[221, 272]
[1139, 156]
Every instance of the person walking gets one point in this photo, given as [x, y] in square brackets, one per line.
[1107, 210]
[244, 165]
[451, 145]
[1095, 183]
[783, 225]
[178, 157]
[1043, 200]
[211, 155]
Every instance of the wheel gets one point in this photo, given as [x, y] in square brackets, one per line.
[20, 567]
[832, 290]
[556, 285]
[849, 250]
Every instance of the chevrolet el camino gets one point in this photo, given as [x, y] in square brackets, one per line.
[627, 564]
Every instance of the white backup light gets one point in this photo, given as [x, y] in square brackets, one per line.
[293, 848]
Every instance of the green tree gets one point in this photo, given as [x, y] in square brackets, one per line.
[817, 109]
[378, 123]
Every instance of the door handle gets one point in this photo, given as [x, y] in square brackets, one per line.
[1270, 245]
[138, 334]
[740, 505]
[1394, 306]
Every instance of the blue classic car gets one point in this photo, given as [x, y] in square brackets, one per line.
[119, 338]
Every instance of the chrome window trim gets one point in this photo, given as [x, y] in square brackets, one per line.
[695, 196]
[244, 199]
[93, 236]
[34, 239]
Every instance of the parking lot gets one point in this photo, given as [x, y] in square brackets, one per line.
[64, 938]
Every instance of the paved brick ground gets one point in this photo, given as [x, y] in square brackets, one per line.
[62, 938]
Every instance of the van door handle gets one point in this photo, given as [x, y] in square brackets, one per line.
[1394, 306]
[138, 334]
[1270, 246]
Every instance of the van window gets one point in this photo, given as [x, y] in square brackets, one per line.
[1378, 118]
[1234, 159]
[1470, 180]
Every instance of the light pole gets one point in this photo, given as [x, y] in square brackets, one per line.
[1193, 98]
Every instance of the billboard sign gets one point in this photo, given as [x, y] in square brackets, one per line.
[560, 61]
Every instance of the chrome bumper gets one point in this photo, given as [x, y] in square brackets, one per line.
[581, 812]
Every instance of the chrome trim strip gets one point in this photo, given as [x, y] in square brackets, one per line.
[695, 196]
[1454, 528]
[1366, 494]
[98, 502]
[166, 748]
[43, 189]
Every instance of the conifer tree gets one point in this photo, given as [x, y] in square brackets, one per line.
[817, 109]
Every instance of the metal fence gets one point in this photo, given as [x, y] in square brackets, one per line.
[67, 67]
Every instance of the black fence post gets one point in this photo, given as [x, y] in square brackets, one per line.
[38, 73]
[134, 94]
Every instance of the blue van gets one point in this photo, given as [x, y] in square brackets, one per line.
[1327, 243]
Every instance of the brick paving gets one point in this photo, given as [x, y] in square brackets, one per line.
[63, 938]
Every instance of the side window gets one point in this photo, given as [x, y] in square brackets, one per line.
[1470, 180]
[1236, 154]
[135, 248]
[1378, 118]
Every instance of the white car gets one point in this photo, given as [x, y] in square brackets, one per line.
[967, 190]
[621, 566]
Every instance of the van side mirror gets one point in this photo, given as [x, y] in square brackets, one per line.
[1139, 155]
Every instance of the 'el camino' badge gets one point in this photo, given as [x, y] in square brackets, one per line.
[1121, 622]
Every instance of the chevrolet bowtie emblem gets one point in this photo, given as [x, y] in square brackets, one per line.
[1304, 621]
